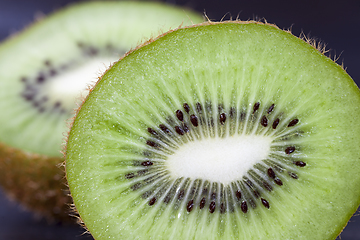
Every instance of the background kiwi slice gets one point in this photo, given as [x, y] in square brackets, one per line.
[45, 70]
[234, 130]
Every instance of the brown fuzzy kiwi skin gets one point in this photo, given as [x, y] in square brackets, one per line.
[37, 182]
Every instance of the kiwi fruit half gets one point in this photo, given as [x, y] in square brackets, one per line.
[231, 130]
[45, 70]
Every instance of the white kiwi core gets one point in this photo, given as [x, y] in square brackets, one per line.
[221, 160]
[73, 84]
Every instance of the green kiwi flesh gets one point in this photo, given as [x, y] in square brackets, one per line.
[45, 72]
[232, 130]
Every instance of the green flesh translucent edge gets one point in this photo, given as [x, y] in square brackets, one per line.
[123, 25]
[236, 65]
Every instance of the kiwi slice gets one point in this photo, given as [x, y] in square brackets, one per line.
[231, 130]
[45, 70]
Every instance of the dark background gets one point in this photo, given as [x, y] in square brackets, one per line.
[334, 23]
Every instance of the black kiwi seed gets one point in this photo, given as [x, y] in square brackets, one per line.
[238, 194]
[28, 97]
[180, 115]
[186, 107]
[213, 196]
[212, 207]
[279, 168]
[152, 131]
[164, 128]
[256, 107]
[167, 199]
[293, 122]
[52, 72]
[222, 208]
[222, 118]
[267, 186]
[91, 51]
[181, 194]
[220, 107]
[202, 203]
[256, 193]
[47, 62]
[57, 104]
[40, 78]
[242, 116]
[136, 186]
[265, 203]
[179, 130]
[300, 163]
[35, 104]
[211, 122]
[293, 175]
[151, 143]
[278, 181]
[146, 194]
[142, 172]
[198, 107]
[264, 121]
[152, 201]
[249, 183]
[80, 44]
[244, 207]
[194, 120]
[271, 173]
[147, 163]
[275, 123]
[289, 150]
[185, 128]
[271, 108]
[190, 205]
[129, 175]
[193, 190]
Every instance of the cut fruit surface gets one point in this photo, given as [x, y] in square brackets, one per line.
[46, 71]
[232, 130]
[76, 44]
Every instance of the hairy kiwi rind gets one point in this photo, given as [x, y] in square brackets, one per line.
[210, 23]
[28, 179]
[37, 181]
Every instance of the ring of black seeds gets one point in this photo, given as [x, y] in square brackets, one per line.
[33, 85]
[199, 197]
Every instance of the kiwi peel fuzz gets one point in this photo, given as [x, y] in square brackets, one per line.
[136, 166]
